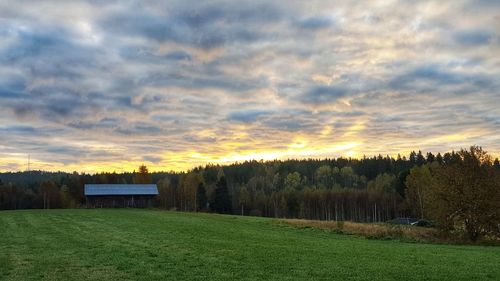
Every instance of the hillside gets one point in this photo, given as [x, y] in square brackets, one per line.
[158, 245]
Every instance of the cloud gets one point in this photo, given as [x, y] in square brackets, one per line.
[12, 87]
[315, 23]
[324, 94]
[92, 85]
[247, 116]
[473, 37]
[429, 77]
[26, 130]
[205, 27]
[178, 55]
[152, 159]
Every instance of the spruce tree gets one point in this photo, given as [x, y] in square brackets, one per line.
[201, 197]
[430, 157]
[439, 158]
[420, 158]
[413, 159]
[222, 200]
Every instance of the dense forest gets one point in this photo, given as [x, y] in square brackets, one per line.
[371, 189]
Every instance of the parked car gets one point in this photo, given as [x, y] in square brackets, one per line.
[424, 223]
[404, 221]
[412, 221]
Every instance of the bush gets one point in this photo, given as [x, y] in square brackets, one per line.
[340, 225]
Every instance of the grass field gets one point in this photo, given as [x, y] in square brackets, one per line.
[157, 245]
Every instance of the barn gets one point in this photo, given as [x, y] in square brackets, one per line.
[120, 195]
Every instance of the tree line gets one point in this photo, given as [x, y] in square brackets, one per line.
[371, 189]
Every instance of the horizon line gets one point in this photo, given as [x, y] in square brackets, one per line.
[222, 164]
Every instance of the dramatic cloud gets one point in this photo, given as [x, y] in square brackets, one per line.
[109, 85]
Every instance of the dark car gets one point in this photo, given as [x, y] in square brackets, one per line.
[404, 221]
[424, 223]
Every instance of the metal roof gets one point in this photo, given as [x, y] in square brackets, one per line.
[121, 189]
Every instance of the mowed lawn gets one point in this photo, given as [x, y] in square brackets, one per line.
[126, 244]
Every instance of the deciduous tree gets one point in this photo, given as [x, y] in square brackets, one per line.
[293, 181]
[418, 190]
[466, 194]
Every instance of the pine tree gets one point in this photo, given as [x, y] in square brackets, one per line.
[143, 175]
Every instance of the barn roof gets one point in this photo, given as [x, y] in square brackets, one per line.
[121, 189]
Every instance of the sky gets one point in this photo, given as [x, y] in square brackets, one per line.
[95, 86]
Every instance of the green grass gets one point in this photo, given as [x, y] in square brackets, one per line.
[157, 245]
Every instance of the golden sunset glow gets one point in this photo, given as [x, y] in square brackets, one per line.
[174, 89]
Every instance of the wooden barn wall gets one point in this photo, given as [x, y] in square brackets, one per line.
[119, 201]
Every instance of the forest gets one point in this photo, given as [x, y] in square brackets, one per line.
[459, 190]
